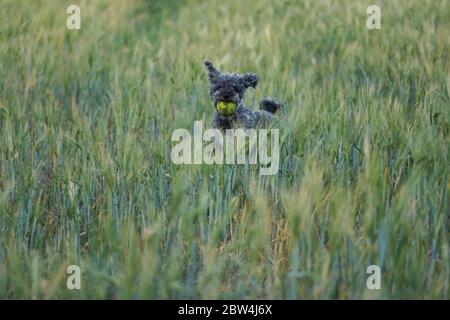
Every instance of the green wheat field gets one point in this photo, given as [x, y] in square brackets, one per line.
[86, 177]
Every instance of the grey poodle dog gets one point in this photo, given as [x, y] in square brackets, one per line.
[227, 93]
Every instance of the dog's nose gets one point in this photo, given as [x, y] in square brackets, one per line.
[227, 95]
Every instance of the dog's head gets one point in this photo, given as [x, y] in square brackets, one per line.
[228, 88]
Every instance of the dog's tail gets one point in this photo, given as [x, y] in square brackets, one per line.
[271, 105]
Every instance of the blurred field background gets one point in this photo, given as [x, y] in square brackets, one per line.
[86, 177]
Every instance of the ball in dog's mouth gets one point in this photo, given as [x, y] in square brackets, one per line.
[226, 108]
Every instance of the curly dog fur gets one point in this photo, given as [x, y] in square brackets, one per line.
[231, 87]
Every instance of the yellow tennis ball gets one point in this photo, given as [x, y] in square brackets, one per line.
[226, 108]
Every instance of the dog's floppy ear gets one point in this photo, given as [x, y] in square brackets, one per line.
[213, 73]
[249, 79]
